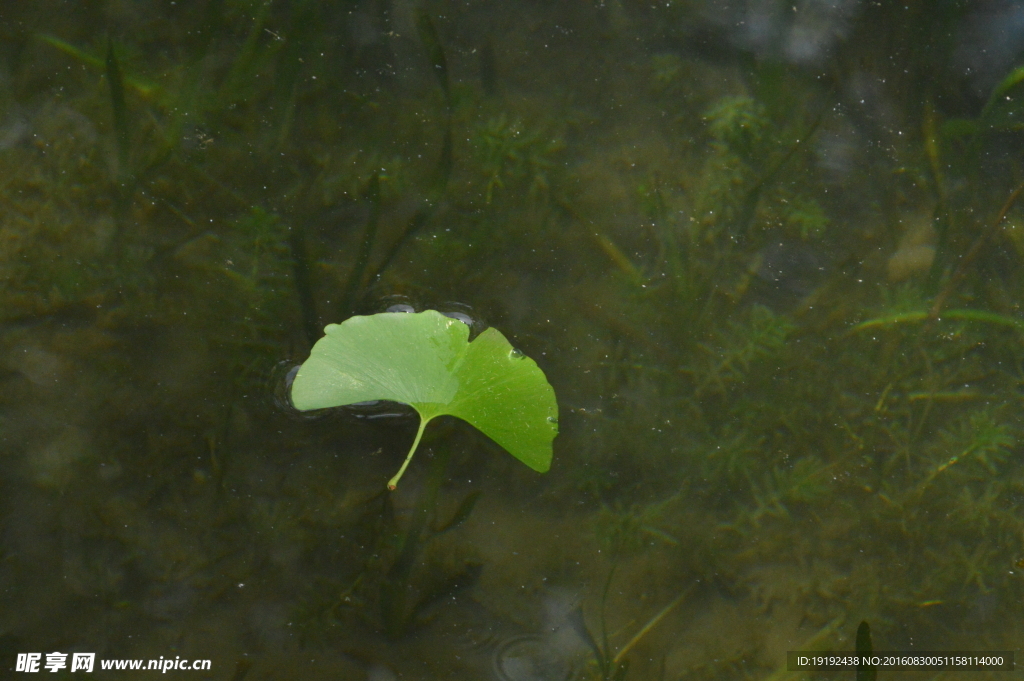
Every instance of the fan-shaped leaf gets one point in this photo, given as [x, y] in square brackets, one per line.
[425, 360]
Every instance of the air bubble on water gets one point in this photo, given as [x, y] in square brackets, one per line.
[465, 314]
[451, 309]
[516, 353]
[281, 378]
[461, 316]
[395, 302]
[278, 390]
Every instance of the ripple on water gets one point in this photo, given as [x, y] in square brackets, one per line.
[529, 657]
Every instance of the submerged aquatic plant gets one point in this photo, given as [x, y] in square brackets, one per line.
[425, 360]
[737, 125]
[509, 152]
[613, 666]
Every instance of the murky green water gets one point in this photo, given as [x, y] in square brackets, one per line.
[769, 255]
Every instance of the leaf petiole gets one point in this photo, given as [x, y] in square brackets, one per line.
[393, 482]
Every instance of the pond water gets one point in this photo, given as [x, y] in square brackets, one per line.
[768, 254]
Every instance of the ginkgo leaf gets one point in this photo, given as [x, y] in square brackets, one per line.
[426, 360]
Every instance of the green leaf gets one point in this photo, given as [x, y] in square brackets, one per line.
[959, 128]
[1012, 80]
[924, 315]
[144, 88]
[425, 360]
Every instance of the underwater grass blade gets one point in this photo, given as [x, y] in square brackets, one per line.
[651, 623]
[435, 52]
[303, 279]
[1012, 80]
[144, 89]
[416, 222]
[865, 672]
[395, 610]
[425, 360]
[968, 315]
[446, 160]
[120, 109]
[461, 513]
[579, 625]
[439, 65]
[967, 261]
[354, 287]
